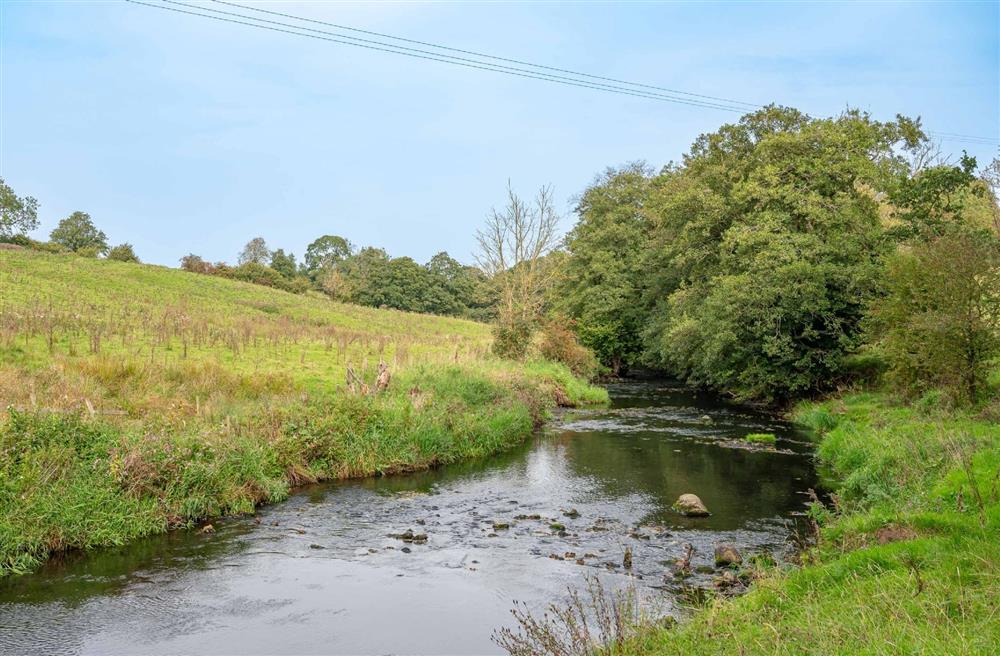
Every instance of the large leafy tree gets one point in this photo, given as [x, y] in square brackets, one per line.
[605, 276]
[766, 247]
[78, 233]
[324, 253]
[18, 215]
[455, 288]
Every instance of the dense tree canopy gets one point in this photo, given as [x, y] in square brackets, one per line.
[372, 277]
[749, 266]
[284, 263]
[324, 253]
[603, 280]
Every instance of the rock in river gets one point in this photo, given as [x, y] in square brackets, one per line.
[690, 505]
[726, 555]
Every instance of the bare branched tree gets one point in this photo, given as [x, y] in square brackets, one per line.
[927, 154]
[255, 252]
[512, 249]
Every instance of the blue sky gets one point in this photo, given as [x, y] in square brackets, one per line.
[180, 134]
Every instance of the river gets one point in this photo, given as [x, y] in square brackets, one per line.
[322, 572]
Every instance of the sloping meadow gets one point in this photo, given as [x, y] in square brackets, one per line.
[139, 398]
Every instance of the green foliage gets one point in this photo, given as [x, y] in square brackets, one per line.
[760, 438]
[933, 199]
[18, 215]
[443, 286]
[912, 554]
[284, 263]
[123, 253]
[765, 248]
[78, 233]
[604, 279]
[938, 322]
[512, 339]
[324, 253]
[259, 274]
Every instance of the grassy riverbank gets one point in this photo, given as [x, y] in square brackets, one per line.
[140, 398]
[909, 561]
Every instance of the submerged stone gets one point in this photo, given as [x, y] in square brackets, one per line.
[690, 505]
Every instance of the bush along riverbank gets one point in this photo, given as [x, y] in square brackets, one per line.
[907, 555]
[70, 481]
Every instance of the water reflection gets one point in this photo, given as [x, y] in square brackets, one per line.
[321, 572]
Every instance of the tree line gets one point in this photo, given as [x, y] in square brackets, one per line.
[75, 234]
[782, 256]
[366, 276]
[331, 265]
[787, 254]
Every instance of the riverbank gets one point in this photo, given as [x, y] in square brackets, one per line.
[139, 399]
[908, 560]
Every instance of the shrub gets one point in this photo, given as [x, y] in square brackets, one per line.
[560, 344]
[259, 274]
[938, 323]
[511, 339]
[123, 253]
[195, 264]
[865, 367]
[89, 251]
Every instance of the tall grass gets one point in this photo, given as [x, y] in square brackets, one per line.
[907, 560]
[140, 398]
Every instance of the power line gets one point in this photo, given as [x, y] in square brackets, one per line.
[453, 58]
[950, 136]
[724, 104]
[399, 50]
[488, 56]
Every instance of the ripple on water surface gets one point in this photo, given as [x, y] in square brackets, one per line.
[325, 572]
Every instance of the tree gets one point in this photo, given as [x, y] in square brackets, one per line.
[605, 276]
[765, 250]
[255, 252]
[361, 278]
[938, 324]
[18, 215]
[78, 233]
[930, 199]
[123, 253]
[512, 248]
[195, 264]
[284, 264]
[324, 253]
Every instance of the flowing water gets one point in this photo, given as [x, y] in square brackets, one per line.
[322, 572]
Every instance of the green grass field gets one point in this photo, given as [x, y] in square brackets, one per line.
[907, 563]
[139, 398]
